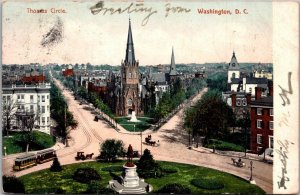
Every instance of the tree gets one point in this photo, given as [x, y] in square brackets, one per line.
[9, 108]
[147, 167]
[12, 184]
[210, 117]
[55, 167]
[111, 149]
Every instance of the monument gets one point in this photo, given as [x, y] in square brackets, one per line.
[133, 117]
[129, 182]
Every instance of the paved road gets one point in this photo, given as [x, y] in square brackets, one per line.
[173, 145]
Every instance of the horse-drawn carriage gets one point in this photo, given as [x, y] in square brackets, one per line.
[81, 156]
[238, 163]
[149, 141]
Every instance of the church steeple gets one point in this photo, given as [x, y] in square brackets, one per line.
[173, 66]
[129, 58]
[233, 65]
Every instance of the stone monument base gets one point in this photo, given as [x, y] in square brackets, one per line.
[130, 183]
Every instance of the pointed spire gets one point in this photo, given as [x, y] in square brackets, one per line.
[173, 66]
[233, 65]
[129, 58]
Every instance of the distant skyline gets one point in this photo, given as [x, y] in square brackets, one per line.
[98, 39]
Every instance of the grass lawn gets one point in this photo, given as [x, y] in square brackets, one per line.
[222, 145]
[144, 124]
[14, 143]
[51, 181]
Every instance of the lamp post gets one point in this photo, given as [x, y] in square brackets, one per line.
[141, 143]
[245, 130]
[4, 150]
[251, 175]
[67, 143]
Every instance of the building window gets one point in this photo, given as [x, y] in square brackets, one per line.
[4, 99]
[271, 125]
[31, 98]
[233, 76]
[22, 97]
[129, 102]
[47, 97]
[38, 97]
[250, 90]
[19, 97]
[8, 98]
[48, 108]
[238, 102]
[43, 98]
[259, 124]
[48, 119]
[271, 145]
[244, 102]
[43, 109]
[31, 108]
[271, 112]
[259, 138]
[259, 111]
[43, 121]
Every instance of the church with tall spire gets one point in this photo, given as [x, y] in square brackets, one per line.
[129, 97]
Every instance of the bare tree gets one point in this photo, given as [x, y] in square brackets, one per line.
[9, 109]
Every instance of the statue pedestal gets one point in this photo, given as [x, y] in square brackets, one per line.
[133, 117]
[130, 178]
[130, 183]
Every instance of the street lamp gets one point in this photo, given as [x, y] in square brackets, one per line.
[245, 131]
[141, 143]
[4, 150]
[251, 175]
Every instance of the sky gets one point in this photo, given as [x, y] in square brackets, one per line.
[101, 39]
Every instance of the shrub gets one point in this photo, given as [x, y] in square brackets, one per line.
[175, 188]
[12, 184]
[55, 167]
[169, 169]
[224, 146]
[86, 175]
[95, 187]
[209, 184]
[112, 169]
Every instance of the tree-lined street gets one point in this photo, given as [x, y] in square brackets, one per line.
[172, 137]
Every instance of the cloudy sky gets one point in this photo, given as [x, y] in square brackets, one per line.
[101, 39]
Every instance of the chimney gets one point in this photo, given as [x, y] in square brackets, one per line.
[257, 93]
[233, 99]
[248, 98]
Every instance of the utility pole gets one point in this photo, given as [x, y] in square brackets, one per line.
[141, 143]
[67, 143]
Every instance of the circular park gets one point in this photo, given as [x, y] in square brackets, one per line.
[169, 177]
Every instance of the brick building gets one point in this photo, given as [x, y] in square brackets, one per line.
[261, 122]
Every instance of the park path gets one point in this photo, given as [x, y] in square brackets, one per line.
[173, 145]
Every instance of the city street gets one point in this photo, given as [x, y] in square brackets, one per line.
[172, 138]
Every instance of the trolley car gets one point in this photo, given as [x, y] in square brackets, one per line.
[31, 159]
[45, 155]
[25, 161]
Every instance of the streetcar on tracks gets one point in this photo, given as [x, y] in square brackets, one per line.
[31, 159]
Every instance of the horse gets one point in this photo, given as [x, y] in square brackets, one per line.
[89, 156]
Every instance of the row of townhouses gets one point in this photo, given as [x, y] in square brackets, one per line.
[26, 98]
